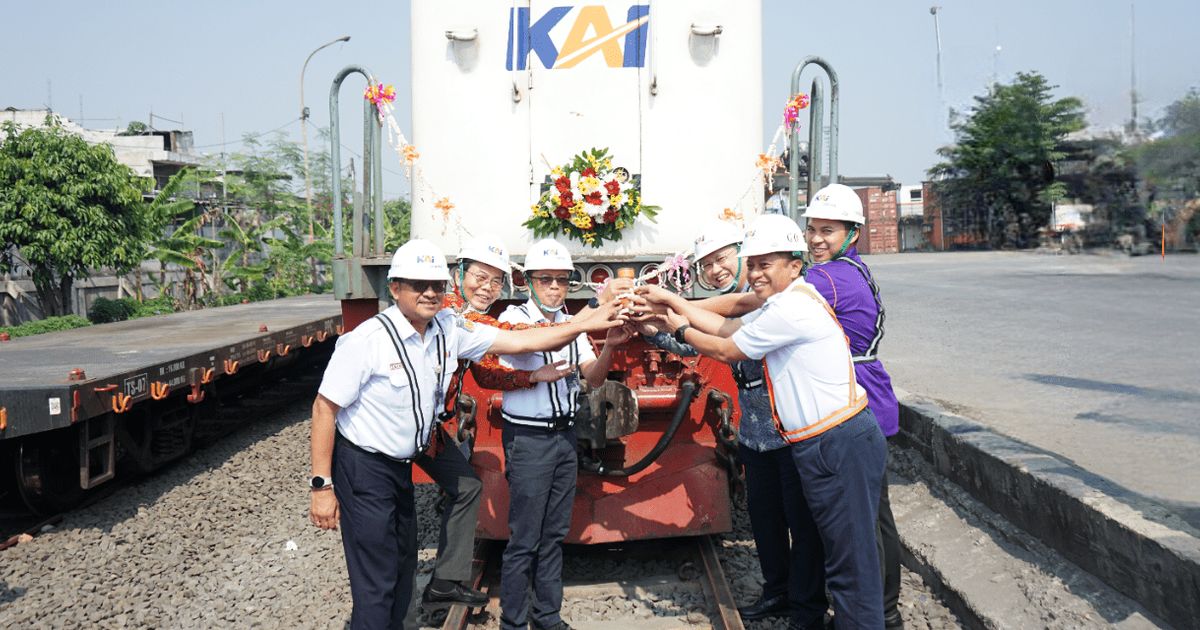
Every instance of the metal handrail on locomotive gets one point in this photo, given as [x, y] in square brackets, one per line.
[500, 94]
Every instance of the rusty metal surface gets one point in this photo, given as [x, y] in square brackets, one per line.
[684, 492]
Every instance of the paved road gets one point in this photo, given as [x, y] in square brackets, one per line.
[1093, 357]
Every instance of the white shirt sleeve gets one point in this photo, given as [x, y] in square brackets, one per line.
[586, 353]
[474, 339]
[790, 318]
[348, 370]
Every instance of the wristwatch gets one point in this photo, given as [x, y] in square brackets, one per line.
[594, 302]
[320, 483]
[679, 333]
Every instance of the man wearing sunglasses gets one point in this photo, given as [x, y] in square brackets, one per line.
[539, 446]
[375, 412]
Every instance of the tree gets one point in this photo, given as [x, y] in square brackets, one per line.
[1171, 162]
[397, 217]
[997, 180]
[69, 207]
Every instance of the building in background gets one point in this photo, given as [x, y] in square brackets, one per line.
[154, 153]
[910, 201]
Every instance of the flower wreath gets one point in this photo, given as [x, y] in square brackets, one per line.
[589, 200]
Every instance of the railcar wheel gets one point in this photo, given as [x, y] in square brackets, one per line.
[47, 471]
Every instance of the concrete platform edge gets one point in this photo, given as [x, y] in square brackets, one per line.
[1137, 548]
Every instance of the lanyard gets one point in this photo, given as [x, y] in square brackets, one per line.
[873, 348]
[410, 371]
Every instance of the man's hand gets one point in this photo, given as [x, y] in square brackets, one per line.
[550, 372]
[674, 321]
[603, 317]
[657, 295]
[615, 287]
[323, 511]
[618, 336]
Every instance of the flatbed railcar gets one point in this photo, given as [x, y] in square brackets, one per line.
[72, 403]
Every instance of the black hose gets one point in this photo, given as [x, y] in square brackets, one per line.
[687, 391]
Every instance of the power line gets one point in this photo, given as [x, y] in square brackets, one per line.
[249, 136]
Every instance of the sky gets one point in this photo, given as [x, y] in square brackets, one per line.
[233, 67]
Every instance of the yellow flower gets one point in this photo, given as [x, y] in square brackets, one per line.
[589, 237]
[555, 200]
[620, 224]
[588, 185]
[607, 164]
[556, 172]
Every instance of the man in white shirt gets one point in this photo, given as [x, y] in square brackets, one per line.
[539, 447]
[380, 396]
[819, 408]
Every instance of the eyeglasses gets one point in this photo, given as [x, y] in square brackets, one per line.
[483, 278]
[705, 267]
[549, 280]
[421, 286]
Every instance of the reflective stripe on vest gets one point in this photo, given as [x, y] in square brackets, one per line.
[872, 353]
[854, 404]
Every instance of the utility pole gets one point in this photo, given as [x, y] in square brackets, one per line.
[1133, 113]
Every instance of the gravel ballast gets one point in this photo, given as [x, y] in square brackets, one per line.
[222, 539]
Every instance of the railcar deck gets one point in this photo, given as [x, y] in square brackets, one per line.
[55, 380]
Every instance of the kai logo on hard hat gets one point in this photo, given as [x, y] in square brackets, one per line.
[426, 259]
[592, 32]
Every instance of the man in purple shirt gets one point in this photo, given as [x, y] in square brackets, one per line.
[835, 219]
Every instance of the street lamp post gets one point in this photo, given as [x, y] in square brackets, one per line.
[304, 133]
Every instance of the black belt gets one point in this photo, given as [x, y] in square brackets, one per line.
[553, 425]
[341, 439]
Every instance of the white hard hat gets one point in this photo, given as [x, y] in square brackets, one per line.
[716, 235]
[487, 251]
[549, 254]
[419, 259]
[773, 233]
[837, 202]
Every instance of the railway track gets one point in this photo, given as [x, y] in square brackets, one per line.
[231, 412]
[657, 600]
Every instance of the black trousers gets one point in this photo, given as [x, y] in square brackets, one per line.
[379, 534]
[783, 527]
[888, 543]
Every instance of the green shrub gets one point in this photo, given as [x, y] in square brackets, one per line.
[161, 305]
[104, 310]
[50, 324]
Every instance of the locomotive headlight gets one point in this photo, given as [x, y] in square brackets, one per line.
[599, 274]
[650, 272]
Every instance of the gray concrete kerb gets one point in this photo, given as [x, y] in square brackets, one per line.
[1136, 546]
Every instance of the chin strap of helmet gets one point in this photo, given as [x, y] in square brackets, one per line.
[462, 287]
[846, 243]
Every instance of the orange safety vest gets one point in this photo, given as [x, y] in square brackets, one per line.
[855, 402]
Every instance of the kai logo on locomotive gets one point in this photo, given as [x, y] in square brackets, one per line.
[591, 33]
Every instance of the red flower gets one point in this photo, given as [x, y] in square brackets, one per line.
[612, 187]
[563, 184]
[593, 198]
[610, 216]
[562, 213]
[566, 199]
[588, 172]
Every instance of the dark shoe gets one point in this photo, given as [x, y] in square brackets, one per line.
[562, 625]
[819, 623]
[445, 591]
[774, 607]
[893, 621]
